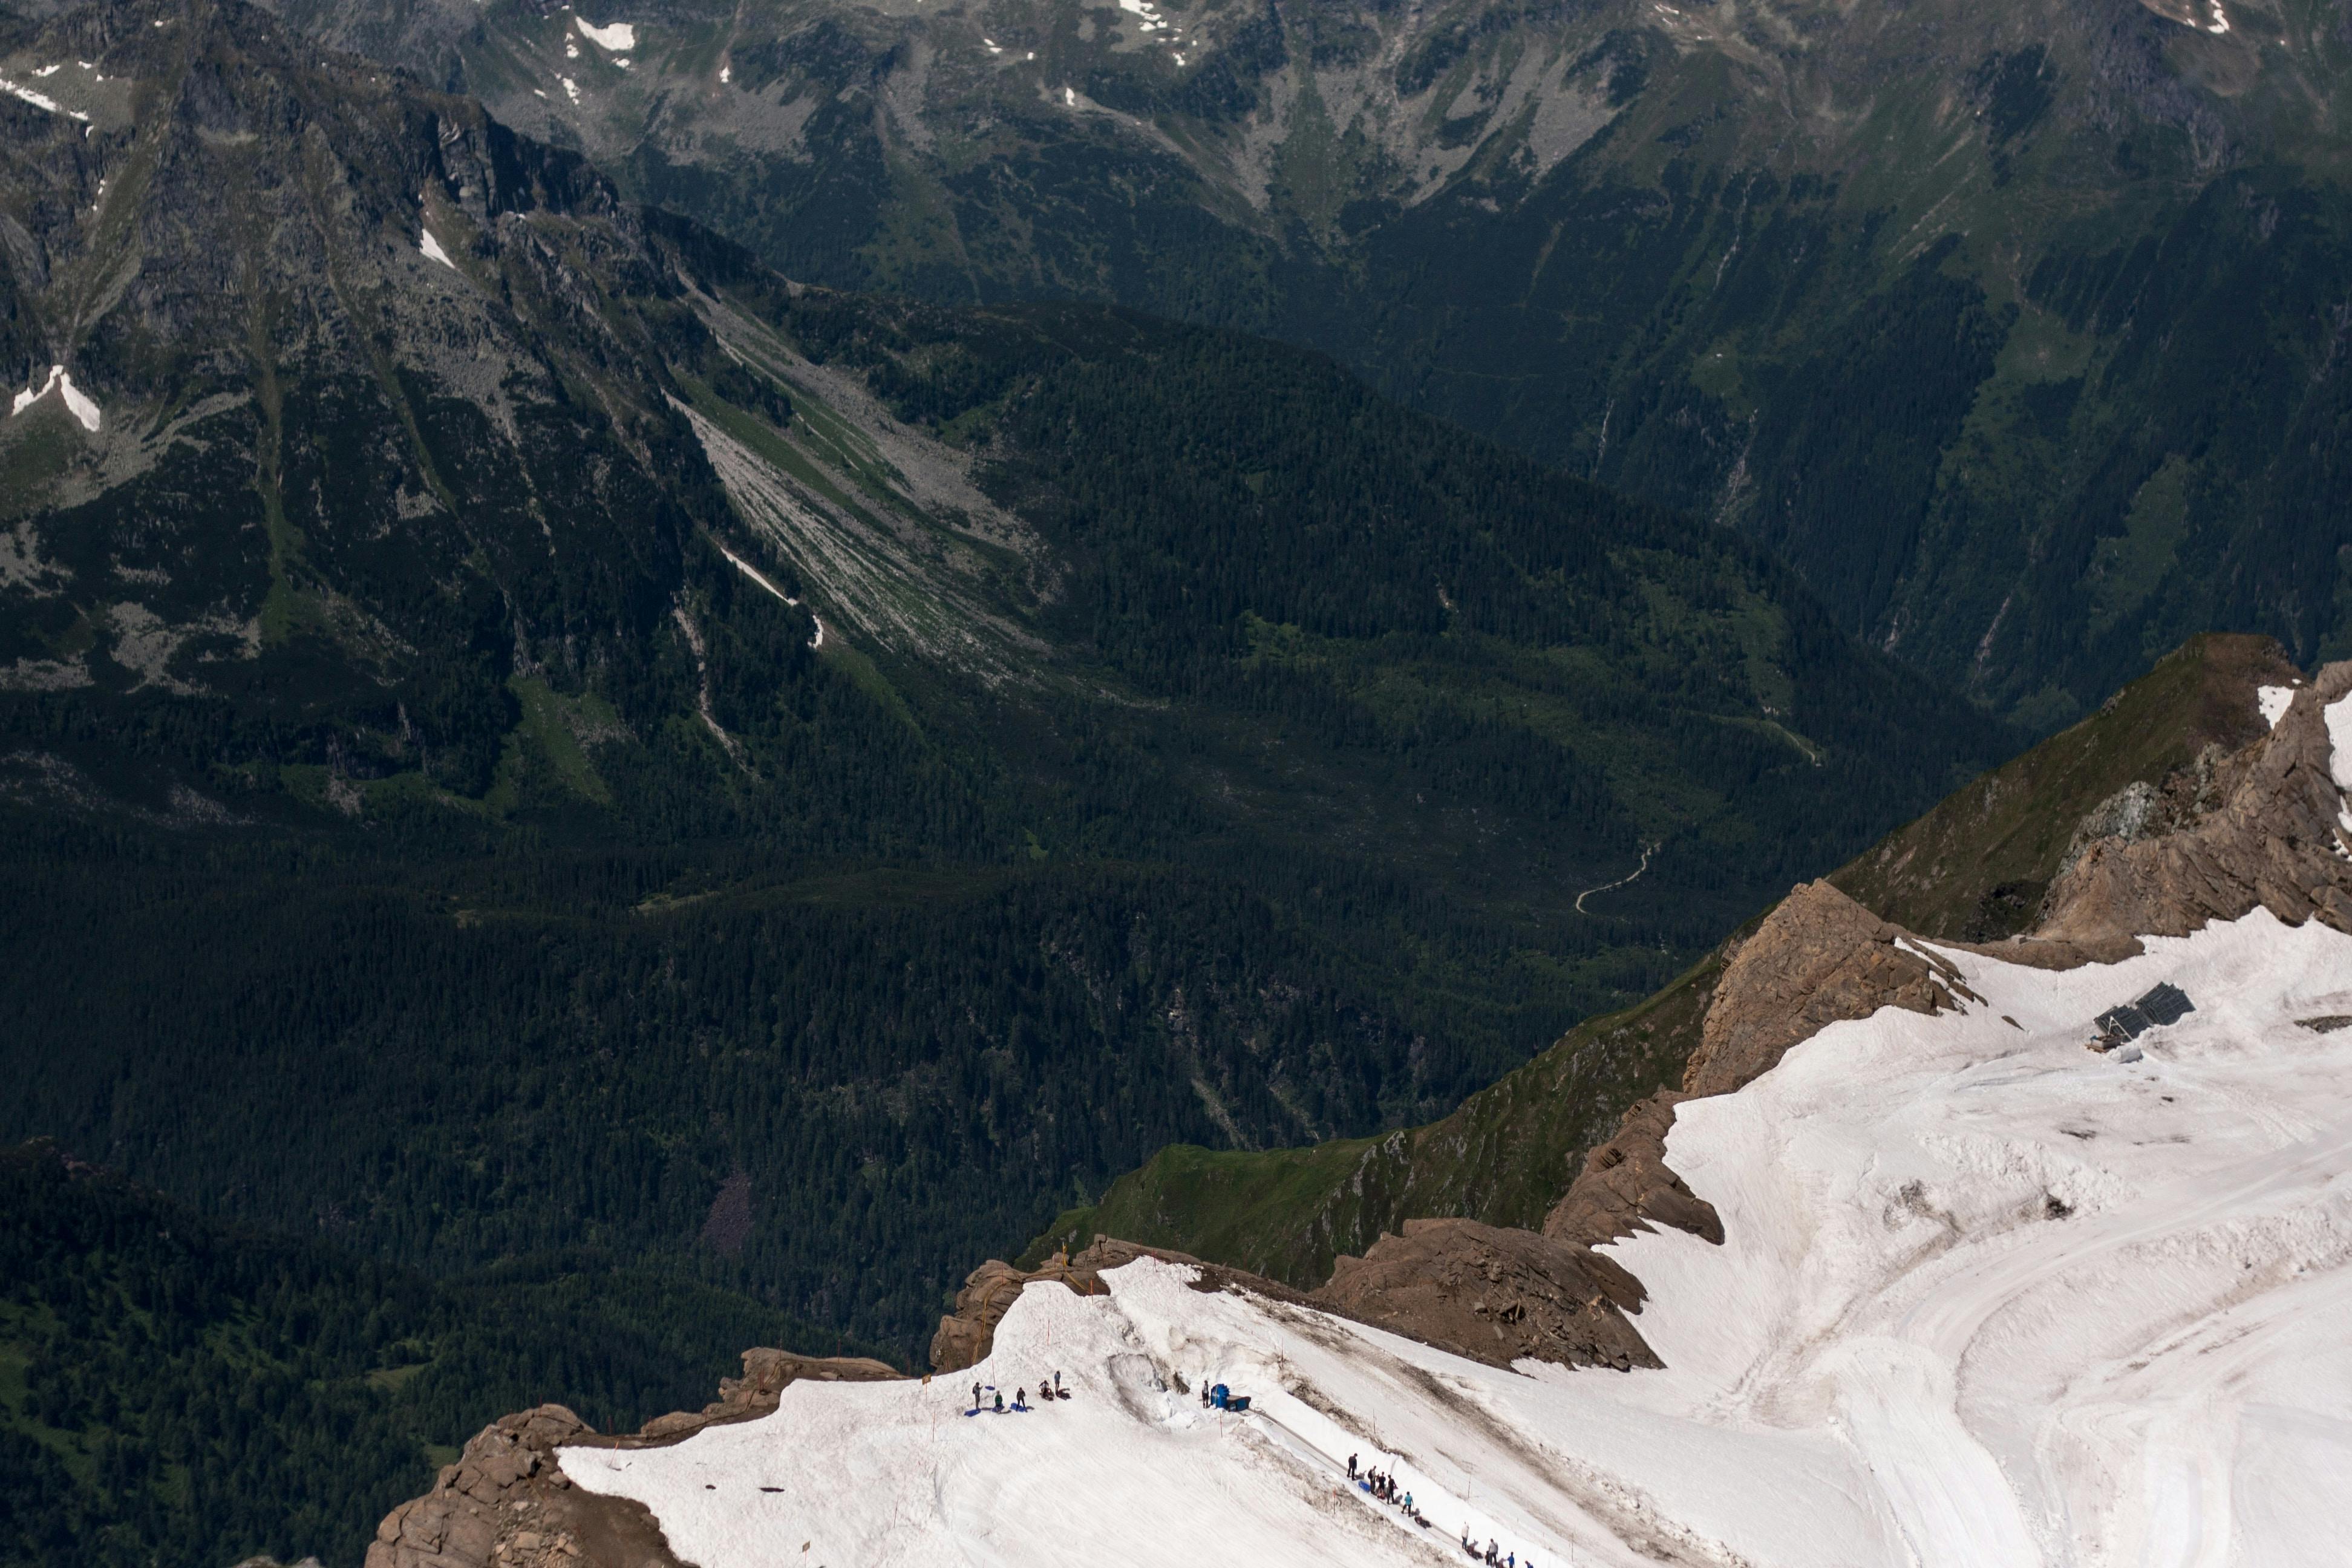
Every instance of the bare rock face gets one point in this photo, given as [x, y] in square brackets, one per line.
[1625, 1186]
[1494, 1295]
[2265, 829]
[1818, 959]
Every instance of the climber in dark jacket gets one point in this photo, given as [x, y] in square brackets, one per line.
[1000, 1403]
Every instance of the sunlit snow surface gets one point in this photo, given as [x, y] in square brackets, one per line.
[433, 251]
[1987, 1298]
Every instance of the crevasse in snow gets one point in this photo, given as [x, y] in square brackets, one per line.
[1986, 1297]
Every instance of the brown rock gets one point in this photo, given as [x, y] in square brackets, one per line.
[1819, 958]
[2261, 829]
[1625, 1185]
[1494, 1295]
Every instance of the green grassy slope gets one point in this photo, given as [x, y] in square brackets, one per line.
[1973, 868]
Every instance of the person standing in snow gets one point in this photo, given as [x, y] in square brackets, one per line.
[1351, 1467]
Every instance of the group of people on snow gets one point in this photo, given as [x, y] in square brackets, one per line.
[1385, 1489]
[1493, 1558]
[1046, 1391]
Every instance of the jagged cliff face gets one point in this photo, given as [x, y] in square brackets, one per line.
[2011, 325]
[370, 416]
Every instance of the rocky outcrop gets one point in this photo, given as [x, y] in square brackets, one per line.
[506, 1502]
[1494, 1295]
[2263, 827]
[766, 1372]
[966, 1334]
[1818, 959]
[1625, 1186]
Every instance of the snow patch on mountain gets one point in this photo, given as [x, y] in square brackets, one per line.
[40, 99]
[433, 251]
[1985, 1297]
[77, 402]
[2274, 701]
[618, 38]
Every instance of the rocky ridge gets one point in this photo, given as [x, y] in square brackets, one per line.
[2265, 825]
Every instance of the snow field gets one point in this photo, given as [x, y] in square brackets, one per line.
[1987, 1298]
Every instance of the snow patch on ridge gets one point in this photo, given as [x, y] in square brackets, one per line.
[433, 251]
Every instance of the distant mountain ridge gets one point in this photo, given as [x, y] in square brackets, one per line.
[2013, 327]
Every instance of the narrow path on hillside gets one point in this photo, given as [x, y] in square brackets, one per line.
[1646, 851]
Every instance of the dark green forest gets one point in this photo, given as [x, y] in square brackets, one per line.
[938, 962]
[176, 1391]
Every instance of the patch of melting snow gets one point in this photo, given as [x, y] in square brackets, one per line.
[51, 70]
[618, 36]
[571, 89]
[2220, 23]
[622, 62]
[2274, 701]
[77, 402]
[40, 99]
[726, 75]
[571, 50]
[1070, 97]
[433, 251]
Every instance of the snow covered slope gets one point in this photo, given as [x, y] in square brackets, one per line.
[1986, 1298]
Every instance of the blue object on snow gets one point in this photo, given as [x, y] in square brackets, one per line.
[1217, 1396]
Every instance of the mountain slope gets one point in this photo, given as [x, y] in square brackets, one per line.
[2010, 326]
[886, 769]
[1977, 868]
[1905, 1274]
